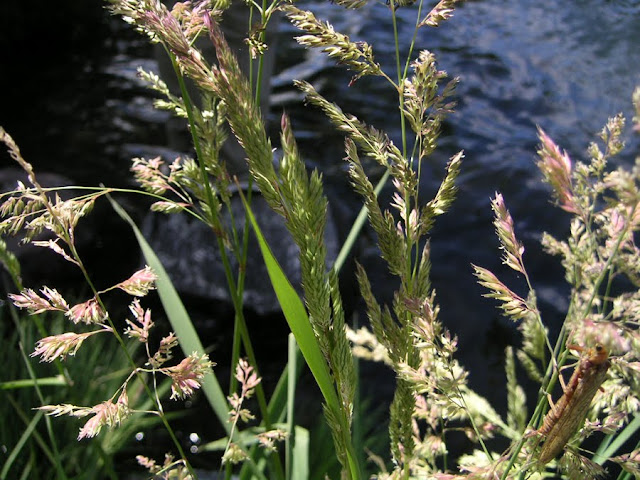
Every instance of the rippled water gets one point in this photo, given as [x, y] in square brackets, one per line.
[565, 66]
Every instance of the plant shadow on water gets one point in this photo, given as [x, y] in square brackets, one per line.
[519, 65]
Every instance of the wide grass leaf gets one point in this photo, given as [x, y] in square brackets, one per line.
[296, 316]
[180, 320]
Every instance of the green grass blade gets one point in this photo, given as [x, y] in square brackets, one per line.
[39, 440]
[291, 399]
[21, 442]
[180, 321]
[26, 473]
[620, 439]
[277, 405]
[300, 460]
[296, 316]
[57, 381]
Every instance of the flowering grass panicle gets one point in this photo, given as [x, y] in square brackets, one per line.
[59, 346]
[35, 304]
[433, 397]
[513, 305]
[441, 12]
[601, 236]
[248, 380]
[170, 469]
[358, 56]
[107, 413]
[35, 211]
[598, 255]
[140, 283]
[269, 439]
[87, 312]
[142, 323]
[556, 168]
[187, 375]
[163, 354]
[630, 462]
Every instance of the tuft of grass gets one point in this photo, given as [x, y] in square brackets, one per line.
[31, 451]
[122, 388]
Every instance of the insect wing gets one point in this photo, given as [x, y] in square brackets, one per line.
[575, 410]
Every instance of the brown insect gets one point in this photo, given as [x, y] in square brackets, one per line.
[568, 414]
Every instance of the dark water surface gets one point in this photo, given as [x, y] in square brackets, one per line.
[566, 66]
[77, 109]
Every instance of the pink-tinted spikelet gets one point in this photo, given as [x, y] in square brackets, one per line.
[59, 346]
[556, 168]
[148, 174]
[140, 283]
[144, 322]
[512, 248]
[29, 299]
[247, 377]
[106, 413]
[87, 312]
[187, 375]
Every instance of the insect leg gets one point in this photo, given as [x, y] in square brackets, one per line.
[550, 400]
[563, 384]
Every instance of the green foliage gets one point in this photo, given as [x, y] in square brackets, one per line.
[603, 205]
[179, 319]
[432, 396]
[516, 398]
[93, 374]
[10, 262]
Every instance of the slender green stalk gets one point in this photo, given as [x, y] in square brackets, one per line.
[615, 443]
[52, 440]
[15, 451]
[57, 381]
[400, 75]
[413, 41]
[236, 297]
[291, 397]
